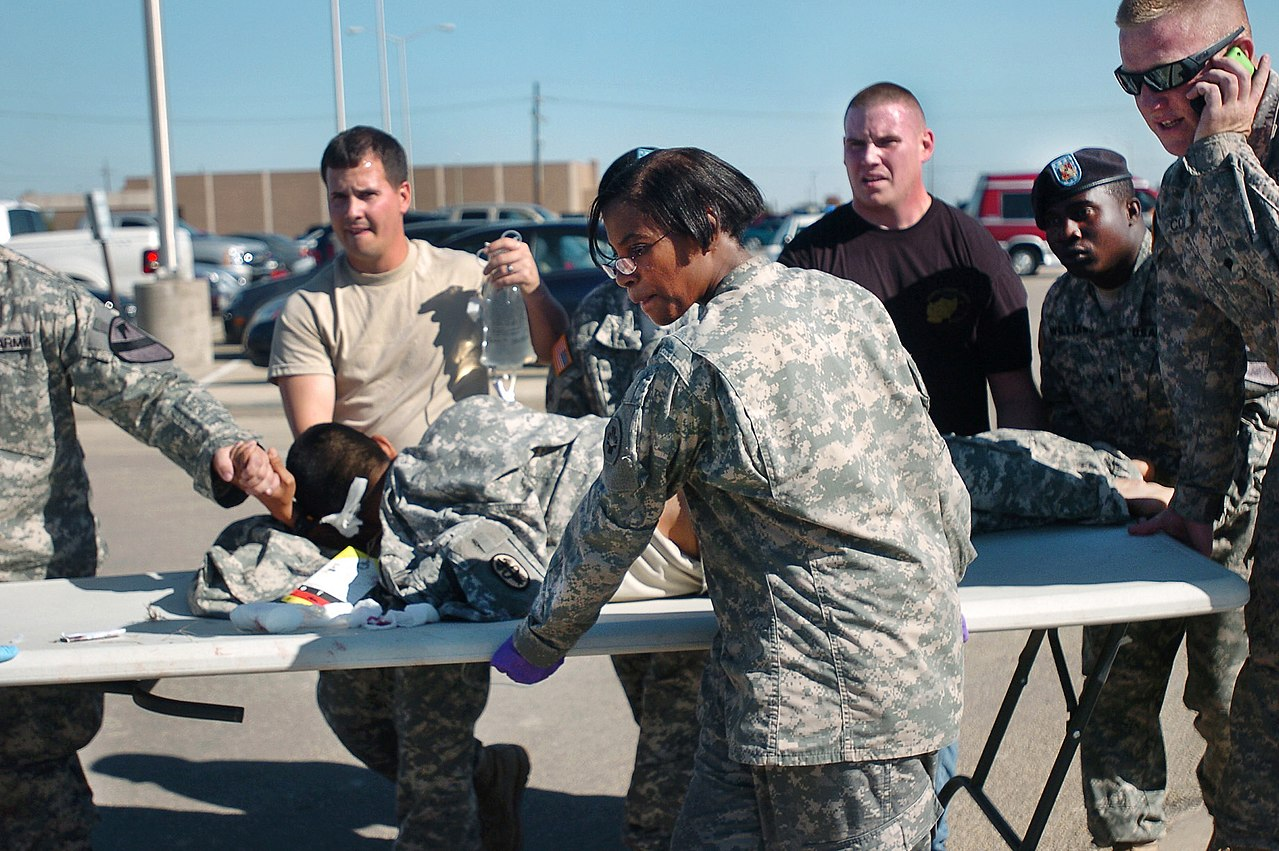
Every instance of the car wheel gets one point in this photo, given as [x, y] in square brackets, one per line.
[1025, 260]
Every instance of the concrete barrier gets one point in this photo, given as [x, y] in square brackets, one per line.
[176, 312]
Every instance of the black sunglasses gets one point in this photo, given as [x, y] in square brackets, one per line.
[1161, 78]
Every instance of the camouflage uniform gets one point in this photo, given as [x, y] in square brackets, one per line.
[1015, 478]
[833, 530]
[1218, 269]
[416, 725]
[58, 345]
[609, 341]
[1101, 381]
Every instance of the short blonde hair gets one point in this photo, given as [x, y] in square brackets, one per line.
[1134, 13]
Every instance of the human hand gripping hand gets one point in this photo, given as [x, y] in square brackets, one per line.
[279, 501]
[247, 466]
[1192, 533]
[1230, 95]
[259, 473]
[510, 264]
[509, 661]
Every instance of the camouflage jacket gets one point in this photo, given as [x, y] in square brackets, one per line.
[1099, 369]
[797, 426]
[488, 479]
[56, 347]
[469, 516]
[1217, 261]
[609, 341]
[1101, 380]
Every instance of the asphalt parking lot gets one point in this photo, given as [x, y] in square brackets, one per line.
[281, 779]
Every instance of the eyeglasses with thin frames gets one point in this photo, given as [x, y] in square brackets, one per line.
[1161, 78]
[628, 264]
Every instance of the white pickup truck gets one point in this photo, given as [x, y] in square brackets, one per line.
[133, 252]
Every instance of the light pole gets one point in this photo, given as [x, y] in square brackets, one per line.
[405, 115]
[381, 64]
[335, 24]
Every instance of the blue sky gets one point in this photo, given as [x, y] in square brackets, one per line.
[1005, 85]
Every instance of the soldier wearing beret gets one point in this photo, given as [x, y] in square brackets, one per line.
[59, 345]
[1101, 381]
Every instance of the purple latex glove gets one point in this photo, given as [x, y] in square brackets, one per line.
[963, 627]
[509, 661]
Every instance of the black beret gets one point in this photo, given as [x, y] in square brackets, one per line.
[1071, 174]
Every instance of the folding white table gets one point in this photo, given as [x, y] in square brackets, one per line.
[1037, 579]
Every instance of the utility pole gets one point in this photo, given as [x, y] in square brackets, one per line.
[174, 309]
[339, 92]
[163, 172]
[537, 143]
[381, 65]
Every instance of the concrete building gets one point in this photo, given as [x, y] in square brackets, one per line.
[289, 202]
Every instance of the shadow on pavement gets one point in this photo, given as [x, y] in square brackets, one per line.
[313, 805]
[557, 821]
[320, 806]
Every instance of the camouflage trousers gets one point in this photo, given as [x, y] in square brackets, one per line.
[867, 806]
[1122, 757]
[662, 691]
[45, 801]
[416, 726]
[1247, 812]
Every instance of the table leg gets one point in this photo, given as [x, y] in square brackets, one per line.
[145, 698]
[1079, 710]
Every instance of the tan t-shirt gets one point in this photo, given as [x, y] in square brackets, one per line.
[399, 344]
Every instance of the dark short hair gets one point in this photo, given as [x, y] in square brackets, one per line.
[1122, 190]
[348, 148]
[324, 460]
[676, 187]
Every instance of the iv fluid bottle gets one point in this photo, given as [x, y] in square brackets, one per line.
[504, 320]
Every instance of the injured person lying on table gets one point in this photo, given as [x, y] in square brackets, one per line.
[466, 521]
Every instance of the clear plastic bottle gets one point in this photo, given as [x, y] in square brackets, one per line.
[504, 320]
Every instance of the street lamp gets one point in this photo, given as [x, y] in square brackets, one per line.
[339, 96]
[405, 115]
[400, 41]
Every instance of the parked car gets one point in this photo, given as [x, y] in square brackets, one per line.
[261, 330]
[292, 254]
[125, 259]
[561, 250]
[236, 316]
[769, 236]
[1001, 202]
[493, 212]
[224, 285]
[249, 258]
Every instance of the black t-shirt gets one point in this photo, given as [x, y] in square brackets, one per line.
[959, 308]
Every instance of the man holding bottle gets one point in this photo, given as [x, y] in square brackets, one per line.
[381, 341]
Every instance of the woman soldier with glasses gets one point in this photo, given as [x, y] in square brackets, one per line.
[833, 527]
